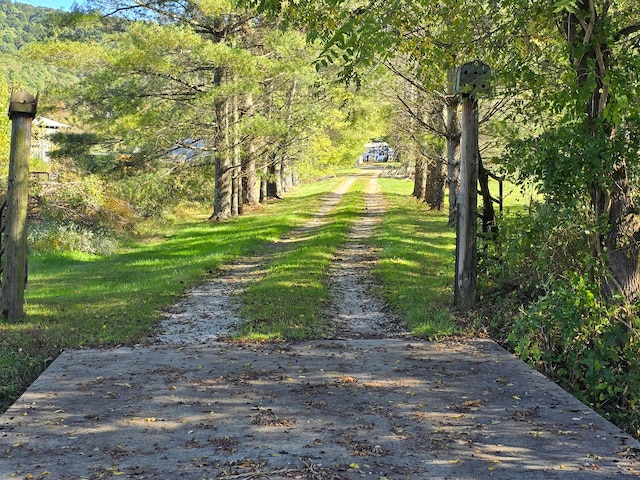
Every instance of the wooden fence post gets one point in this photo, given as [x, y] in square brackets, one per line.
[22, 110]
[471, 78]
[466, 233]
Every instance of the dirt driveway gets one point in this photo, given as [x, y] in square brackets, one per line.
[369, 403]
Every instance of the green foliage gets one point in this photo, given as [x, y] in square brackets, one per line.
[17, 369]
[23, 25]
[53, 237]
[153, 194]
[590, 348]
[79, 150]
[555, 318]
[143, 75]
[5, 132]
[537, 245]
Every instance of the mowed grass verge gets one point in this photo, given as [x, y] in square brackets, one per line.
[416, 262]
[77, 300]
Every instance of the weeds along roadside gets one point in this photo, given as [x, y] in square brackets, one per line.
[79, 300]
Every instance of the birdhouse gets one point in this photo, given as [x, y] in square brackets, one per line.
[23, 103]
[472, 77]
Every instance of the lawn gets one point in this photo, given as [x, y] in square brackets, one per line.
[77, 300]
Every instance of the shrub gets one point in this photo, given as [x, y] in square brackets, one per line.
[154, 194]
[534, 247]
[53, 236]
[541, 294]
[590, 348]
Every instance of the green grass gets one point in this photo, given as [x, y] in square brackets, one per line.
[289, 302]
[77, 300]
[417, 258]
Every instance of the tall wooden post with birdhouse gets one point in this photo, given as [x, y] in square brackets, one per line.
[22, 110]
[471, 79]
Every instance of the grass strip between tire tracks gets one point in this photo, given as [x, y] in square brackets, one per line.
[289, 302]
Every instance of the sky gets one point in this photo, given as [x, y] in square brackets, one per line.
[59, 4]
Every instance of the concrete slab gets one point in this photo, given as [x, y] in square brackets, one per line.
[383, 409]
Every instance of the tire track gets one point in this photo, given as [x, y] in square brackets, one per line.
[209, 312]
[358, 311]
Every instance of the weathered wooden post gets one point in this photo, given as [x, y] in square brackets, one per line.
[471, 78]
[22, 110]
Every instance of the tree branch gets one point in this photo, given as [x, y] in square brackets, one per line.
[626, 32]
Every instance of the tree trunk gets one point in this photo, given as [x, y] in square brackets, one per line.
[420, 160]
[489, 220]
[592, 60]
[264, 184]
[452, 129]
[285, 174]
[274, 179]
[236, 185]
[223, 167]
[434, 195]
[285, 166]
[250, 190]
[623, 240]
[420, 178]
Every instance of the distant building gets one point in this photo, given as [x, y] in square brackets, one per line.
[44, 128]
[377, 152]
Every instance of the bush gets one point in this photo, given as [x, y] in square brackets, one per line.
[542, 298]
[76, 198]
[53, 236]
[535, 247]
[591, 349]
[154, 194]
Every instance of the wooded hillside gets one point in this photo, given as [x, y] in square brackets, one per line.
[20, 25]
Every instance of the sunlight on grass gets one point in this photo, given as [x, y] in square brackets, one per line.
[289, 302]
[417, 259]
[76, 299]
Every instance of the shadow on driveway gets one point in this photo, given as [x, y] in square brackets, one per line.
[383, 409]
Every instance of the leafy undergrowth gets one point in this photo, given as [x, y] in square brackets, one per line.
[549, 309]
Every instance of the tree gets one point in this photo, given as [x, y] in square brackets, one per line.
[419, 127]
[584, 149]
[230, 87]
[431, 38]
